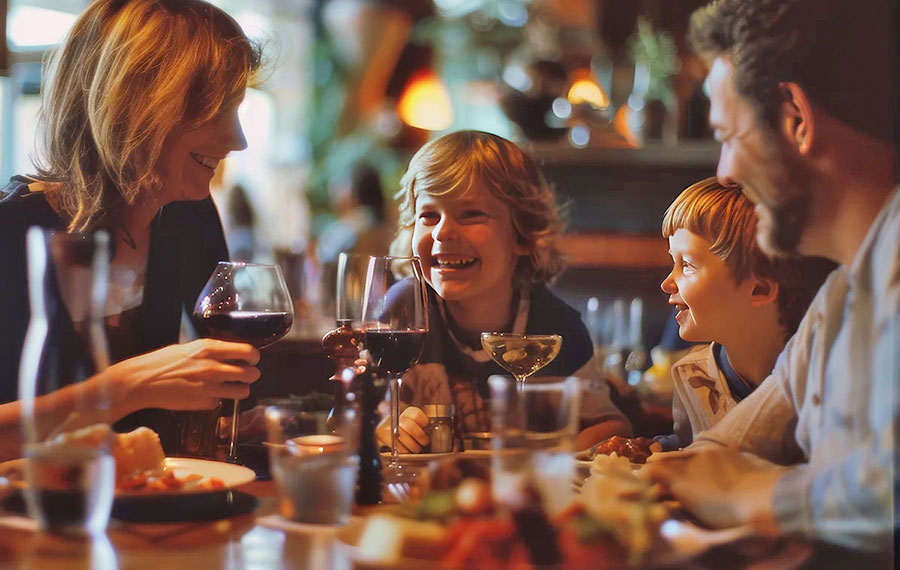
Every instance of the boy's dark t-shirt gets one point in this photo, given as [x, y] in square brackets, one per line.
[448, 371]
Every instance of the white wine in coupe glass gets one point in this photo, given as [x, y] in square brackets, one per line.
[521, 354]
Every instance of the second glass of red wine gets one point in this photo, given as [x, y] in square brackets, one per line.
[395, 321]
[244, 302]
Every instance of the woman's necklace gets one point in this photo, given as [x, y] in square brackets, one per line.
[127, 239]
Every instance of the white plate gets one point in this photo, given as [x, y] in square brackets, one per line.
[231, 475]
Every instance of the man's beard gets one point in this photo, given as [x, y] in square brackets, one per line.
[780, 228]
[782, 223]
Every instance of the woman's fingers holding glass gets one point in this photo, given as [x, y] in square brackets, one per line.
[224, 350]
[233, 372]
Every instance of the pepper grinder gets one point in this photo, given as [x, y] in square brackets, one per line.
[366, 390]
[342, 345]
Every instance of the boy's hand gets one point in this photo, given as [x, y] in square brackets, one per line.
[411, 437]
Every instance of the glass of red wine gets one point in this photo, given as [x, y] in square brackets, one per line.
[244, 302]
[395, 321]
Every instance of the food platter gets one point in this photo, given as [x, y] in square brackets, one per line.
[680, 542]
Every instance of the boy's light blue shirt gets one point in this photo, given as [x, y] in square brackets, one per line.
[830, 406]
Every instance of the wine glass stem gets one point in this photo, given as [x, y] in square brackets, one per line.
[395, 415]
[232, 444]
[520, 382]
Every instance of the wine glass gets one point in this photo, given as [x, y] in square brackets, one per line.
[343, 343]
[521, 354]
[395, 321]
[244, 302]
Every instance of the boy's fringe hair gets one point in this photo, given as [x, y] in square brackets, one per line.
[726, 218]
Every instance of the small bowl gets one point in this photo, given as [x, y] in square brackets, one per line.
[315, 444]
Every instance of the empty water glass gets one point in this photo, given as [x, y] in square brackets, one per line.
[69, 469]
[314, 462]
[534, 438]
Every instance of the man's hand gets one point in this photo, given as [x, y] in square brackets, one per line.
[722, 487]
[412, 436]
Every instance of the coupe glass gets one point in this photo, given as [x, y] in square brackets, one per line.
[244, 302]
[395, 320]
[521, 354]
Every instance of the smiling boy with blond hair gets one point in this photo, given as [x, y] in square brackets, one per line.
[730, 295]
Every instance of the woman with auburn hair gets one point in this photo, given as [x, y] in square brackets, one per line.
[480, 215]
[140, 104]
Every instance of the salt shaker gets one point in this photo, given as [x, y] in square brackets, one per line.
[439, 428]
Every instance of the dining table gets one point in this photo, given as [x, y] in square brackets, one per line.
[258, 540]
[261, 539]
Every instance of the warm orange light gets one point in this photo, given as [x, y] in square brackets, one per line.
[586, 90]
[425, 103]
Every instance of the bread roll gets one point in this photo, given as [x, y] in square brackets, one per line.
[138, 450]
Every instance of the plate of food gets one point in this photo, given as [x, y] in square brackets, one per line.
[141, 466]
[149, 486]
[142, 469]
[460, 526]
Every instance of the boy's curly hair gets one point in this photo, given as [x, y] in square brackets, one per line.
[454, 163]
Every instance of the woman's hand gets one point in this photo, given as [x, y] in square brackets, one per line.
[411, 437]
[190, 376]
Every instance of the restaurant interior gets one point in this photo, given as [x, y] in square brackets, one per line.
[612, 104]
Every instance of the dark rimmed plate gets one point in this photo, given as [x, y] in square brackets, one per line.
[193, 507]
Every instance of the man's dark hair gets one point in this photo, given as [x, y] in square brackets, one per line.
[841, 52]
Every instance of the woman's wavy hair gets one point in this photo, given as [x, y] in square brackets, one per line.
[726, 218]
[452, 164]
[128, 73]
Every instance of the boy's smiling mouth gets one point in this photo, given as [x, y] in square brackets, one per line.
[452, 262]
[682, 311]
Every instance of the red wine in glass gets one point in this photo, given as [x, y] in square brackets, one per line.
[394, 352]
[395, 321]
[253, 327]
[244, 302]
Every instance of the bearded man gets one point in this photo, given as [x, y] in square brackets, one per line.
[803, 102]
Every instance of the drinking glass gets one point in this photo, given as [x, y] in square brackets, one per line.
[521, 354]
[69, 469]
[616, 330]
[534, 427]
[343, 343]
[244, 302]
[313, 461]
[395, 320]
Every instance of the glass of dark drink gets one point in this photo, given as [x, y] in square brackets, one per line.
[244, 302]
[395, 321]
